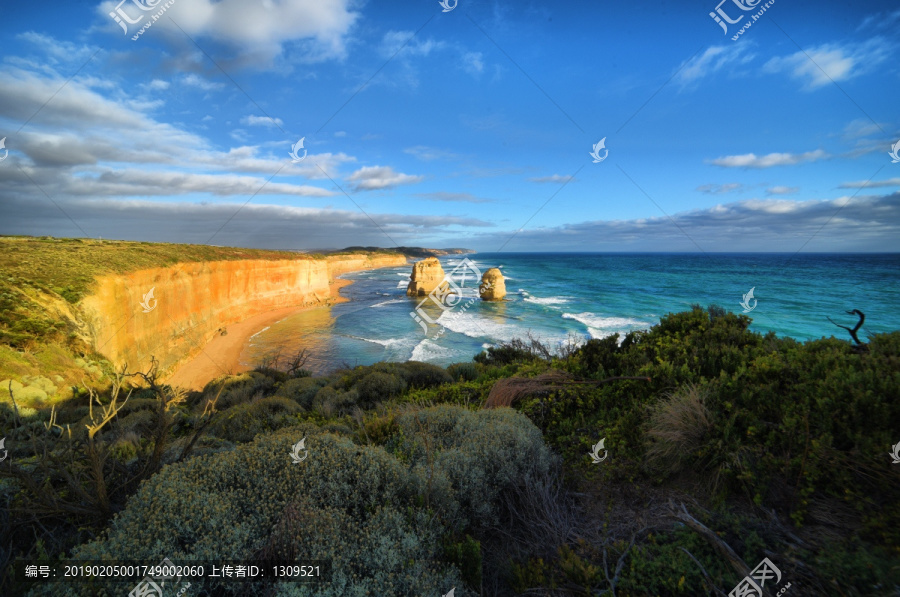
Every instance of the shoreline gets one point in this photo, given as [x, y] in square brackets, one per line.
[221, 355]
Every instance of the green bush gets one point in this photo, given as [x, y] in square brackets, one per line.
[379, 387]
[245, 421]
[330, 402]
[239, 389]
[302, 390]
[424, 375]
[463, 371]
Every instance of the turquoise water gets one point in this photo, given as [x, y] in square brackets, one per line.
[589, 295]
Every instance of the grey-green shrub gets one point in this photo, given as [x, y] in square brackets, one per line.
[476, 456]
[229, 504]
[356, 505]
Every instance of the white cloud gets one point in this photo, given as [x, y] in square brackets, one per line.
[555, 178]
[83, 143]
[370, 178]
[406, 43]
[714, 59]
[260, 30]
[473, 63]
[251, 224]
[828, 63]
[156, 85]
[427, 154]
[55, 50]
[869, 223]
[880, 20]
[453, 197]
[751, 160]
[252, 120]
[716, 189]
[862, 184]
[195, 81]
[781, 190]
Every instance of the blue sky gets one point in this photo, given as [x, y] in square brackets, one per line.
[468, 128]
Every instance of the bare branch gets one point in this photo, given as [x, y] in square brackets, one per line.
[862, 319]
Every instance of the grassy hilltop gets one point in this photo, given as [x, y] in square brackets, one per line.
[724, 447]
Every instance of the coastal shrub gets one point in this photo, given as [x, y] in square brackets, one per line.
[469, 459]
[239, 389]
[424, 375]
[343, 502]
[331, 402]
[302, 390]
[391, 552]
[379, 387]
[463, 371]
[504, 355]
[599, 356]
[245, 421]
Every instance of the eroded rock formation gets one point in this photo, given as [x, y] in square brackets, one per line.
[426, 276]
[493, 287]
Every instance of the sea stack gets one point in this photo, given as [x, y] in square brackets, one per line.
[493, 288]
[426, 276]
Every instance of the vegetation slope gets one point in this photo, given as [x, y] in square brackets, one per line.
[722, 447]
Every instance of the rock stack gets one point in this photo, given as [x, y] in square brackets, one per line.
[492, 288]
[426, 276]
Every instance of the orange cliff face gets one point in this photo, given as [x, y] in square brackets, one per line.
[192, 302]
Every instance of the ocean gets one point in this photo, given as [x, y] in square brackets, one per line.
[558, 296]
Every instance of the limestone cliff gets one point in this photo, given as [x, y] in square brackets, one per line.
[192, 301]
[426, 276]
[493, 287]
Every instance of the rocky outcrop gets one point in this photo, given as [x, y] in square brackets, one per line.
[426, 276]
[192, 302]
[493, 287]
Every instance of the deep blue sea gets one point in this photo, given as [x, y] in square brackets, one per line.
[555, 296]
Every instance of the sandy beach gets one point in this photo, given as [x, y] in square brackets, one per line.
[221, 355]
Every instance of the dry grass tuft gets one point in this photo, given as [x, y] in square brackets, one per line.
[680, 425]
[512, 389]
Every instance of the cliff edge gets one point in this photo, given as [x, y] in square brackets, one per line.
[191, 302]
